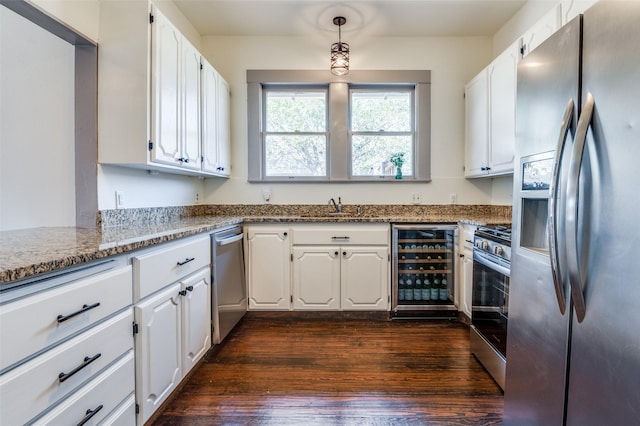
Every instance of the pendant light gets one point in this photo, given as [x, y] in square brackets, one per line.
[339, 50]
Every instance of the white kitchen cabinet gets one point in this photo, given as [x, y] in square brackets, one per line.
[215, 122]
[349, 271]
[465, 276]
[476, 141]
[365, 278]
[149, 111]
[158, 349]
[316, 278]
[172, 290]
[61, 333]
[541, 30]
[572, 8]
[490, 104]
[268, 268]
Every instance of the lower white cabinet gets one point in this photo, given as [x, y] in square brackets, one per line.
[174, 333]
[325, 267]
[268, 267]
[465, 277]
[67, 346]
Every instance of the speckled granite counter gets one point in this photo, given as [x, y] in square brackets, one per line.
[30, 252]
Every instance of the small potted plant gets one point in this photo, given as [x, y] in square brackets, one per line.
[397, 159]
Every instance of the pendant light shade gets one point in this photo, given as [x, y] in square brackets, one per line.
[339, 50]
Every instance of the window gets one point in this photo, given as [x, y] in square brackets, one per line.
[295, 132]
[311, 126]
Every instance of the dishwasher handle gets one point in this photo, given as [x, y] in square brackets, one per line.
[229, 240]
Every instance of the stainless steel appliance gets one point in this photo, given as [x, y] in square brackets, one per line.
[229, 292]
[573, 342]
[423, 270]
[490, 298]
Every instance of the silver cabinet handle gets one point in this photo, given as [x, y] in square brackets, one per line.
[573, 261]
[558, 279]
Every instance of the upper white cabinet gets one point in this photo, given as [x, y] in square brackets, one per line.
[541, 30]
[150, 107]
[215, 122]
[490, 102]
[572, 8]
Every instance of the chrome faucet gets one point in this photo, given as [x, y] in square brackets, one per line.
[338, 206]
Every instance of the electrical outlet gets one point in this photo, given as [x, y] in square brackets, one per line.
[119, 200]
[416, 198]
[453, 198]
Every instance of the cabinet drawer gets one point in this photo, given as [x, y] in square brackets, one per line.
[35, 385]
[341, 235]
[37, 322]
[109, 396]
[158, 268]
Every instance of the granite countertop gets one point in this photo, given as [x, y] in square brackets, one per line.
[27, 253]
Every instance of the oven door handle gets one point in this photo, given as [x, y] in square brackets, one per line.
[477, 257]
[556, 245]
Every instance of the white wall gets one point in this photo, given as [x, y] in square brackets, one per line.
[453, 62]
[37, 173]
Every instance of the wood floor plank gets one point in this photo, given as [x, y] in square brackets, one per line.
[293, 370]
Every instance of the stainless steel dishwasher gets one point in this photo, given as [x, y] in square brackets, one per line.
[229, 292]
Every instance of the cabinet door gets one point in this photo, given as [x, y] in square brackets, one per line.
[541, 30]
[268, 268]
[476, 126]
[165, 95]
[158, 349]
[572, 8]
[502, 110]
[209, 101]
[196, 318]
[365, 278]
[190, 106]
[316, 278]
[467, 282]
[224, 136]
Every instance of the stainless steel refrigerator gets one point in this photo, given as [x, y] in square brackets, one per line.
[573, 346]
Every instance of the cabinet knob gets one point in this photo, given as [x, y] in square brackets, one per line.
[344, 253]
[182, 292]
[336, 253]
[189, 288]
[284, 233]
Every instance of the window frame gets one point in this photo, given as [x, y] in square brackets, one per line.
[339, 136]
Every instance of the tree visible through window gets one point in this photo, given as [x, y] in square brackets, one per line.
[296, 132]
[381, 125]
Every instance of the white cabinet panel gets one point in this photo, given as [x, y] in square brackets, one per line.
[365, 278]
[158, 348]
[268, 267]
[190, 106]
[476, 125]
[101, 397]
[215, 122]
[341, 234]
[573, 8]
[541, 30]
[31, 324]
[45, 380]
[157, 268]
[316, 278]
[196, 318]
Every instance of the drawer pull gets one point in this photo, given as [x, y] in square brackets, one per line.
[187, 260]
[87, 360]
[340, 238]
[85, 308]
[90, 413]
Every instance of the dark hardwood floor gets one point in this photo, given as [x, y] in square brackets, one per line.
[287, 369]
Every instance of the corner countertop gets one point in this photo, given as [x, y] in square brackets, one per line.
[27, 253]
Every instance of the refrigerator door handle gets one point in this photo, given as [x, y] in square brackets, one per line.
[554, 242]
[573, 260]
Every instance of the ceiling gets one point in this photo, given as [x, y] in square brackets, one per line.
[387, 18]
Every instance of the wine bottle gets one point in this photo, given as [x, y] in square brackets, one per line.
[401, 287]
[443, 288]
[435, 288]
[426, 288]
[417, 288]
[408, 293]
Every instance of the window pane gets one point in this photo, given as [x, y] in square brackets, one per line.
[371, 154]
[295, 155]
[373, 111]
[296, 111]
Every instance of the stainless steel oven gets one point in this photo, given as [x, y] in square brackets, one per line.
[490, 298]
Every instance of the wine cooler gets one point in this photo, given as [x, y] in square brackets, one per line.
[424, 270]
